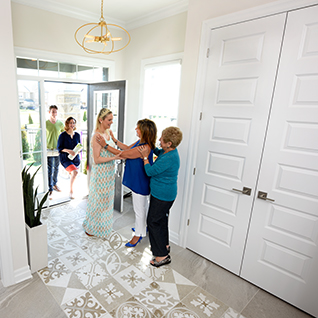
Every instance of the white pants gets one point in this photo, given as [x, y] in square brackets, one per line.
[140, 204]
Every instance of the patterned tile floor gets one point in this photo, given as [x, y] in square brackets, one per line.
[93, 277]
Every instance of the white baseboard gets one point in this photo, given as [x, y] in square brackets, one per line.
[174, 237]
[22, 274]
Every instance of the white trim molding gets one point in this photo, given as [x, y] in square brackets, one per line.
[66, 58]
[272, 8]
[77, 13]
[180, 7]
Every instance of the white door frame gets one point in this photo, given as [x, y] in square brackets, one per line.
[234, 18]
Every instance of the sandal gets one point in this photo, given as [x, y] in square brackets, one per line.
[165, 261]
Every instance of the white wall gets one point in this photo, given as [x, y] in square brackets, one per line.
[156, 39]
[42, 30]
[13, 257]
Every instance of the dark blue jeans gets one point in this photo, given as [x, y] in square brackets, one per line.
[157, 222]
[53, 170]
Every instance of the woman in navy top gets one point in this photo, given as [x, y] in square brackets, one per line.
[135, 177]
[65, 145]
[163, 191]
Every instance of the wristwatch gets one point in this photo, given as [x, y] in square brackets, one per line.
[106, 146]
[145, 158]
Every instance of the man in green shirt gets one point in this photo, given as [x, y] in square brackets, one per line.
[53, 129]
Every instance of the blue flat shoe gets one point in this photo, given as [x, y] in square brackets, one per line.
[133, 229]
[133, 245]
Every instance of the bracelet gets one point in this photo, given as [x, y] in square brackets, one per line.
[116, 142]
[106, 146]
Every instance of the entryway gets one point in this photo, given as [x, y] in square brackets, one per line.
[81, 101]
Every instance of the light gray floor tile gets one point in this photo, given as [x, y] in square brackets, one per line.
[265, 305]
[29, 299]
[227, 287]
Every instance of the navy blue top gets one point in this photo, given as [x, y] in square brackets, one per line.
[135, 177]
[66, 142]
[164, 174]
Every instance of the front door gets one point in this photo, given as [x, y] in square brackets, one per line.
[71, 100]
[109, 95]
[282, 246]
[237, 98]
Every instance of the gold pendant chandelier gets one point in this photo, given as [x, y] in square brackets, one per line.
[99, 42]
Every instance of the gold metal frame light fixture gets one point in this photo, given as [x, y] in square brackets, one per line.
[104, 37]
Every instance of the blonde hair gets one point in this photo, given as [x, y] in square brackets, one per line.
[172, 134]
[103, 113]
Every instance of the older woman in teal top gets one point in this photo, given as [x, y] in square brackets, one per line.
[163, 191]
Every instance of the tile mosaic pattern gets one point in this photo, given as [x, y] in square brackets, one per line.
[95, 277]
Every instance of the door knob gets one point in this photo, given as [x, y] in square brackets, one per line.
[246, 191]
[263, 196]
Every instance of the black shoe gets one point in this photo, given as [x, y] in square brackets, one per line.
[165, 261]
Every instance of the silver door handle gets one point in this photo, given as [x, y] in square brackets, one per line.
[263, 196]
[246, 191]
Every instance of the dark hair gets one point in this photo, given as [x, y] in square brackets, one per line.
[53, 106]
[148, 131]
[67, 121]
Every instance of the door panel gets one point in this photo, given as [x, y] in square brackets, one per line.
[31, 112]
[283, 237]
[109, 95]
[237, 97]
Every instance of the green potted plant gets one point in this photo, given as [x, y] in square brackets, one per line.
[36, 231]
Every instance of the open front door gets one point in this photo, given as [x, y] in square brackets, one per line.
[109, 95]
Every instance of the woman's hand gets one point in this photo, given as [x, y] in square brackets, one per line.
[111, 134]
[71, 152]
[117, 157]
[144, 151]
[100, 140]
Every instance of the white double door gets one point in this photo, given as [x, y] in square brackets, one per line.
[259, 135]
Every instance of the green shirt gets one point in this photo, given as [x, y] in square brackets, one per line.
[52, 133]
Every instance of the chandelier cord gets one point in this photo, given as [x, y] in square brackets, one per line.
[101, 11]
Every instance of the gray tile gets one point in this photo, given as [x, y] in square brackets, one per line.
[110, 294]
[126, 220]
[85, 305]
[132, 305]
[204, 304]
[265, 305]
[29, 299]
[227, 287]
[181, 311]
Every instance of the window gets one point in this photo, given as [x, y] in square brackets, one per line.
[54, 69]
[161, 84]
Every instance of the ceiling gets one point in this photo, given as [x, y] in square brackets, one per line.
[127, 13]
